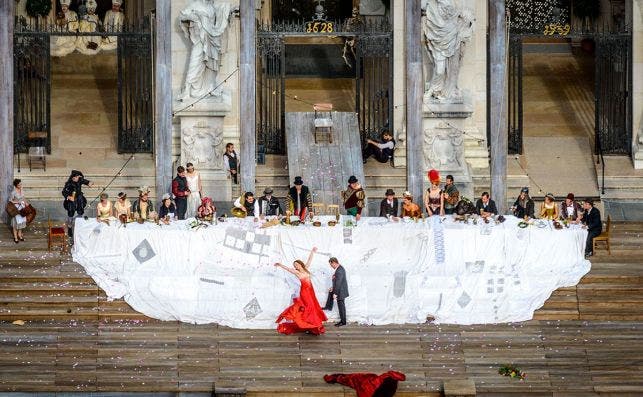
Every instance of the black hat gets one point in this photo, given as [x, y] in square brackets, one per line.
[267, 190]
[352, 179]
[524, 190]
[75, 173]
[389, 192]
[298, 181]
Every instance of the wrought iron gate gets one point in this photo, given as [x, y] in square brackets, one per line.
[32, 87]
[613, 111]
[613, 69]
[271, 90]
[32, 84]
[370, 55]
[135, 91]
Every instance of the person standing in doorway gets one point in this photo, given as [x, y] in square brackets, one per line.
[338, 292]
[231, 162]
[181, 192]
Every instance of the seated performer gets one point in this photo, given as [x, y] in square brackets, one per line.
[353, 198]
[485, 206]
[207, 209]
[300, 202]
[66, 21]
[570, 209]
[383, 152]
[409, 208]
[246, 205]
[89, 45]
[104, 209]
[268, 204]
[167, 207]
[523, 206]
[113, 22]
[389, 207]
[305, 314]
[142, 207]
[549, 209]
[122, 206]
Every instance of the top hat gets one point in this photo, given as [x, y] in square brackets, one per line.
[389, 192]
[298, 181]
[352, 179]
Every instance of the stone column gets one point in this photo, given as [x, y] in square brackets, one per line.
[498, 102]
[414, 93]
[247, 93]
[399, 75]
[163, 98]
[637, 82]
[6, 102]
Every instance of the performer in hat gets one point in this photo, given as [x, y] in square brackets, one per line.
[181, 192]
[143, 207]
[524, 205]
[268, 204]
[113, 22]
[409, 208]
[300, 201]
[389, 207]
[75, 201]
[122, 206]
[353, 198]
[549, 209]
[66, 21]
[570, 209]
[167, 207]
[433, 198]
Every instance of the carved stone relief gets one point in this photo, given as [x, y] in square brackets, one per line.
[201, 144]
[444, 148]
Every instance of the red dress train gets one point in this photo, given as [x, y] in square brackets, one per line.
[369, 385]
[304, 314]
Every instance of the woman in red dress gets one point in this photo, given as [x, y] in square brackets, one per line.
[305, 314]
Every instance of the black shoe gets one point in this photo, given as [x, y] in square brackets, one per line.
[327, 308]
[22, 239]
[339, 324]
[15, 240]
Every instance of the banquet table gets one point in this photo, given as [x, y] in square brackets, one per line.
[398, 272]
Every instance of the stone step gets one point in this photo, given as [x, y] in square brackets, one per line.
[622, 181]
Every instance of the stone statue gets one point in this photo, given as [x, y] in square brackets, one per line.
[372, 7]
[204, 22]
[447, 28]
[201, 144]
[66, 21]
[113, 22]
[89, 45]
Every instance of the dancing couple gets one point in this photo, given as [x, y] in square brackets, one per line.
[305, 314]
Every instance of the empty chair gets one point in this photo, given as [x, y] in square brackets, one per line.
[323, 120]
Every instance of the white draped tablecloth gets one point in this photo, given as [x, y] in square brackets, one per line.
[397, 272]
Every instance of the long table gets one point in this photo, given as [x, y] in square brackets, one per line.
[398, 272]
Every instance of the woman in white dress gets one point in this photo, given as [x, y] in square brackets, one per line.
[18, 222]
[194, 184]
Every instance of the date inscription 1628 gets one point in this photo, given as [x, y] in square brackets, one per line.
[319, 27]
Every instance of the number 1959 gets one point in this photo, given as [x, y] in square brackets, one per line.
[319, 27]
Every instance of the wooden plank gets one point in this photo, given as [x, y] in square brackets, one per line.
[247, 93]
[7, 12]
[163, 98]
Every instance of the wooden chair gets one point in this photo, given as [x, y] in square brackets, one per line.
[333, 209]
[323, 121]
[319, 208]
[604, 237]
[56, 232]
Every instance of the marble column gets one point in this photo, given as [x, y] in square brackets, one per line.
[637, 82]
[6, 102]
[498, 102]
[399, 75]
[414, 94]
[163, 98]
[247, 93]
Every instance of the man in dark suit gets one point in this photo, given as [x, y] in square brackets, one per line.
[485, 206]
[339, 291]
[591, 218]
[389, 207]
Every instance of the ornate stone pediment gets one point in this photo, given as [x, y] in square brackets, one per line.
[444, 148]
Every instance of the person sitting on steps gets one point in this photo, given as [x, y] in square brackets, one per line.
[383, 152]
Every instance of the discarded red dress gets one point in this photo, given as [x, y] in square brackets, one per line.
[369, 385]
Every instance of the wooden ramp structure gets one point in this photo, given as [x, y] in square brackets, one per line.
[324, 166]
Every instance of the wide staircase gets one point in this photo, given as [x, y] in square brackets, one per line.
[61, 333]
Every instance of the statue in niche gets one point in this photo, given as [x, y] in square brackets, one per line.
[113, 22]
[89, 45]
[66, 21]
[200, 144]
[447, 29]
[204, 22]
